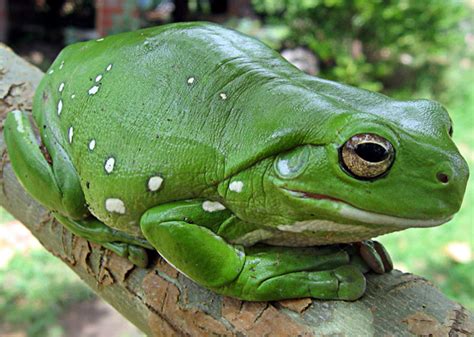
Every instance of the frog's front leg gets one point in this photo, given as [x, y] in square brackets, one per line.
[184, 234]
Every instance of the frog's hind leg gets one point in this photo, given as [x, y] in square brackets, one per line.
[55, 185]
[121, 243]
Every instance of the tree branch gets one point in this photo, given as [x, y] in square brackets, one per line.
[162, 302]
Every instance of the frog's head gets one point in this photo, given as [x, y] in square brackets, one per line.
[397, 167]
[394, 166]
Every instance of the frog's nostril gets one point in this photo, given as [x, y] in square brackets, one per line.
[442, 177]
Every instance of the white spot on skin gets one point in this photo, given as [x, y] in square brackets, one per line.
[92, 144]
[212, 206]
[223, 96]
[101, 39]
[191, 80]
[51, 71]
[70, 134]
[154, 183]
[73, 96]
[61, 87]
[19, 121]
[60, 107]
[109, 67]
[98, 78]
[61, 65]
[114, 205]
[109, 165]
[94, 90]
[236, 186]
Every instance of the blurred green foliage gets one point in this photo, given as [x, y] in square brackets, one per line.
[273, 35]
[372, 44]
[35, 289]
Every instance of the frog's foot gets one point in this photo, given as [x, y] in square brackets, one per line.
[55, 185]
[275, 273]
[182, 233]
[375, 256]
[121, 243]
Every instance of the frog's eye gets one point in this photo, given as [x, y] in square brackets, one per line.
[450, 131]
[367, 156]
[291, 164]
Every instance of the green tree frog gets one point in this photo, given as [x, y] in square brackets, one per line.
[249, 176]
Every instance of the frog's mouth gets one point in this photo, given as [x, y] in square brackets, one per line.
[350, 212]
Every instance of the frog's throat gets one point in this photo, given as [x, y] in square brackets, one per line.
[350, 212]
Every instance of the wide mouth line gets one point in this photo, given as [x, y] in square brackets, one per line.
[351, 212]
[317, 196]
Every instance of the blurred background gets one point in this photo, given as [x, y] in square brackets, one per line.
[406, 49]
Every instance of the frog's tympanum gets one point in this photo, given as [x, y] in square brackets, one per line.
[249, 176]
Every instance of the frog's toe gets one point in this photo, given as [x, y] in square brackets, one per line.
[351, 282]
[371, 257]
[138, 256]
[384, 255]
[375, 256]
[135, 254]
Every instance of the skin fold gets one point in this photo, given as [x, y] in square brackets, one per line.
[250, 177]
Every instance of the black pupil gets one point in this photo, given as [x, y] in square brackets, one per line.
[371, 152]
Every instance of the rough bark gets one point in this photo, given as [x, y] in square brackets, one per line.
[162, 302]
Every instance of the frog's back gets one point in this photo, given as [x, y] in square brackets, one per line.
[150, 116]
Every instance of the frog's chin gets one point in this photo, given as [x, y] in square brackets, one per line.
[352, 213]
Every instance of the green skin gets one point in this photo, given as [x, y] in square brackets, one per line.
[211, 133]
